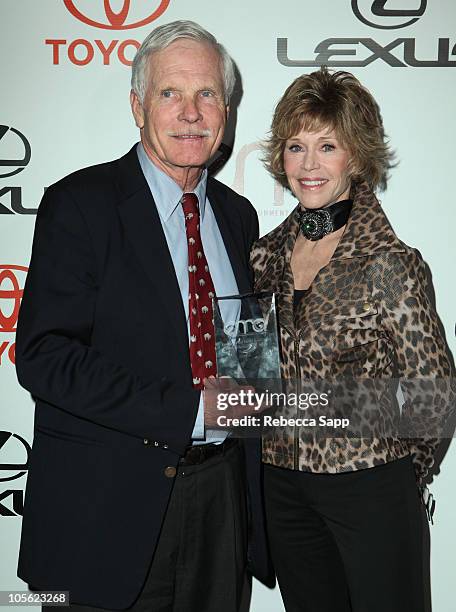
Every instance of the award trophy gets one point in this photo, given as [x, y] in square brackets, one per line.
[248, 364]
[246, 339]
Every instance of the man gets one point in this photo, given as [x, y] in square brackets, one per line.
[131, 502]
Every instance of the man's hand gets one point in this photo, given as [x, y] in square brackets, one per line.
[225, 397]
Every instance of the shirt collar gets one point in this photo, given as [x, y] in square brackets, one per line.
[165, 191]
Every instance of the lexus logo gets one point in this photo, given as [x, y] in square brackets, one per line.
[12, 279]
[379, 14]
[22, 148]
[14, 456]
[123, 19]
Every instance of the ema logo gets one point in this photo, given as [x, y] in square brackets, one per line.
[387, 18]
[18, 163]
[12, 280]
[116, 20]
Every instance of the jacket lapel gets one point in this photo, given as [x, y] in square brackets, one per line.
[277, 275]
[368, 230]
[233, 247]
[143, 228]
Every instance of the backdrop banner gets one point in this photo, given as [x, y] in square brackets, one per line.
[65, 105]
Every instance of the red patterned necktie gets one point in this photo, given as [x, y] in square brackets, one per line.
[201, 291]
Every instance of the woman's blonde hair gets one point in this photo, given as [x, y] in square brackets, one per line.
[337, 101]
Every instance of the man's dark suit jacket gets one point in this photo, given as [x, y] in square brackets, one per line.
[102, 345]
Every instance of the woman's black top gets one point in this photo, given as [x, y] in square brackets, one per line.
[298, 295]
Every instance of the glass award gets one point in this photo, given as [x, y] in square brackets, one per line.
[246, 338]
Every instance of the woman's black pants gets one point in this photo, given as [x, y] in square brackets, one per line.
[350, 542]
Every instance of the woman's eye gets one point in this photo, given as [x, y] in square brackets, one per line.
[295, 148]
[328, 147]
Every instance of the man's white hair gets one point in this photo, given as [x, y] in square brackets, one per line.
[162, 37]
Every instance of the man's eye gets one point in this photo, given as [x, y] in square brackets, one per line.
[207, 93]
[167, 93]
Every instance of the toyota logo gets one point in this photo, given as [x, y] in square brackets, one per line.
[12, 279]
[116, 20]
[8, 162]
[378, 13]
[11, 451]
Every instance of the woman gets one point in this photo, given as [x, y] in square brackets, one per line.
[344, 514]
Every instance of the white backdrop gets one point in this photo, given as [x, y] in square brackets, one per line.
[69, 100]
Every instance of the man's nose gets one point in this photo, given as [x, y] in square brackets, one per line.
[190, 111]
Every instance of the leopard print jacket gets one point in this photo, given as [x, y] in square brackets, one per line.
[366, 317]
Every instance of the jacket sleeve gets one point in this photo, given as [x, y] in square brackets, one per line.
[54, 357]
[424, 365]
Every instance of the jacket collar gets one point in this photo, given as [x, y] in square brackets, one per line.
[231, 235]
[142, 226]
[165, 191]
[368, 230]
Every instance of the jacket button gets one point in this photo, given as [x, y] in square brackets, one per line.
[366, 306]
[170, 471]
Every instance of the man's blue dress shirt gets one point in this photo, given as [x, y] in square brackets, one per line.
[167, 195]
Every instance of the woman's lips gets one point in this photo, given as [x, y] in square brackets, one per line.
[312, 184]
